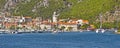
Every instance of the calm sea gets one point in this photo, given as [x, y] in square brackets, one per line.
[60, 40]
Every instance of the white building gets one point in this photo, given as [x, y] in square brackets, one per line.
[55, 15]
[80, 22]
[74, 26]
[45, 26]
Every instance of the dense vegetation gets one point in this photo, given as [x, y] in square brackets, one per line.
[2, 2]
[46, 12]
[78, 9]
[85, 9]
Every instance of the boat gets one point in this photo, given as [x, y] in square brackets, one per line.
[117, 32]
[14, 32]
[37, 31]
[2, 31]
[100, 29]
[11, 32]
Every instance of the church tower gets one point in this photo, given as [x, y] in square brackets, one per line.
[55, 15]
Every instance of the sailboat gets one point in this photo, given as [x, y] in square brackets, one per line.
[117, 14]
[100, 29]
[39, 29]
[15, 30]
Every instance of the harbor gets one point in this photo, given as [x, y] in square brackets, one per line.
[59, 23]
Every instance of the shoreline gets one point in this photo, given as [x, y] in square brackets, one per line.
[81, 31]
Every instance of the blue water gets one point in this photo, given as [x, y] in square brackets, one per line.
[60, 40]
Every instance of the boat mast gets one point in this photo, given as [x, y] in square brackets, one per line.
[117, 14]
[117, 20]
[39, 23]
[100, 17]
[100, 20]
[3, 21]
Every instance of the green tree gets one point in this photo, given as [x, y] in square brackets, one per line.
[70, 28]
[62, 28]
[45, 28]
[12, 27]
[85, 26]
[18, 27]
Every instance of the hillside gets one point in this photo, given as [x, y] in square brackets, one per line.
[2, 2]
[81, 9]
[68, 8]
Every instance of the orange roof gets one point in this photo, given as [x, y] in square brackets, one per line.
[85, 21]
[9, 24]
[61, 23]
[53, 23]
[0, 16]
[67, 23]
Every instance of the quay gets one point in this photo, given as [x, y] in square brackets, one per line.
[55, 31]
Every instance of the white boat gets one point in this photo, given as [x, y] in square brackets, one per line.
[116, 30]
[100, 29]
[14, 32]
[11, 32]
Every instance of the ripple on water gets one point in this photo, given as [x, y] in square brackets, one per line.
[60, 40]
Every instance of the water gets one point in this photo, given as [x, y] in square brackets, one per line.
[60, 40]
